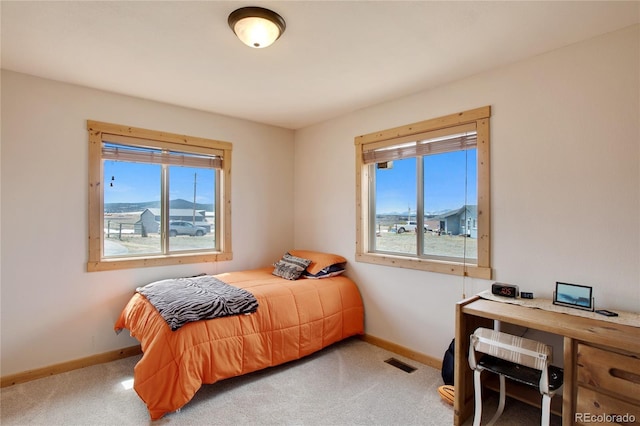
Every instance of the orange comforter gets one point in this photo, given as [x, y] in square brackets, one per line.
[294, 319]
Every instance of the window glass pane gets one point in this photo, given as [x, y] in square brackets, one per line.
[131, 209]
[450, 205]
[395, 206]
[192, 208]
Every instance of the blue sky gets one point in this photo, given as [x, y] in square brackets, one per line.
[137, 182]
[444, 183]
[396, 187]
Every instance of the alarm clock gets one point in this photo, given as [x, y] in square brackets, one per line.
[505, 290]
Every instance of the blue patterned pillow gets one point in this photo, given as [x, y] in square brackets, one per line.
[290, 267]
[329, 271]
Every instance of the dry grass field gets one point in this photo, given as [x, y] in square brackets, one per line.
[120, 238]
[434, 244]
[128, 242]
[135, 244]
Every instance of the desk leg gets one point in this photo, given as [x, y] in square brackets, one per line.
[463, 376]
[569, 391]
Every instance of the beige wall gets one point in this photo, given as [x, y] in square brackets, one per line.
[565, 170]
[52, 310]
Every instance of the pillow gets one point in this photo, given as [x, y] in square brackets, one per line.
[329, 271]
[319, 260]
[290, 267]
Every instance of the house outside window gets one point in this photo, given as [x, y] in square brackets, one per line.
[156, 198]
[423, 195]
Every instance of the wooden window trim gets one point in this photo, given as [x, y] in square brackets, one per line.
[99, 130]
[479, 116]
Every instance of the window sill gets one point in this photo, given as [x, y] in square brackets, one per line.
[441, 267]
[177, 259]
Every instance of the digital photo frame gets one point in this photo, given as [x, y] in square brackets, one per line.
[573, 296]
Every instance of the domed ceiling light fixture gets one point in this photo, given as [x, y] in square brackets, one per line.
[256, 27]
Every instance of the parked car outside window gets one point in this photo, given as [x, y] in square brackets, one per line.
[186, 228]
[407, 227]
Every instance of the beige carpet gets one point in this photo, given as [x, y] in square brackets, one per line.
[346, 384]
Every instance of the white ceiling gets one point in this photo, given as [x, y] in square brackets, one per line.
[334, 57]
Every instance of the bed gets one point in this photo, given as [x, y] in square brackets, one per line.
[294, 318]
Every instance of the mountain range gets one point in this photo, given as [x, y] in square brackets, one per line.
[138, 207]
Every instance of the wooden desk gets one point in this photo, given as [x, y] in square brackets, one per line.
[618, 343]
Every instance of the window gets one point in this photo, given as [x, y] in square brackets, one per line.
[156, 198]
[423, 195]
